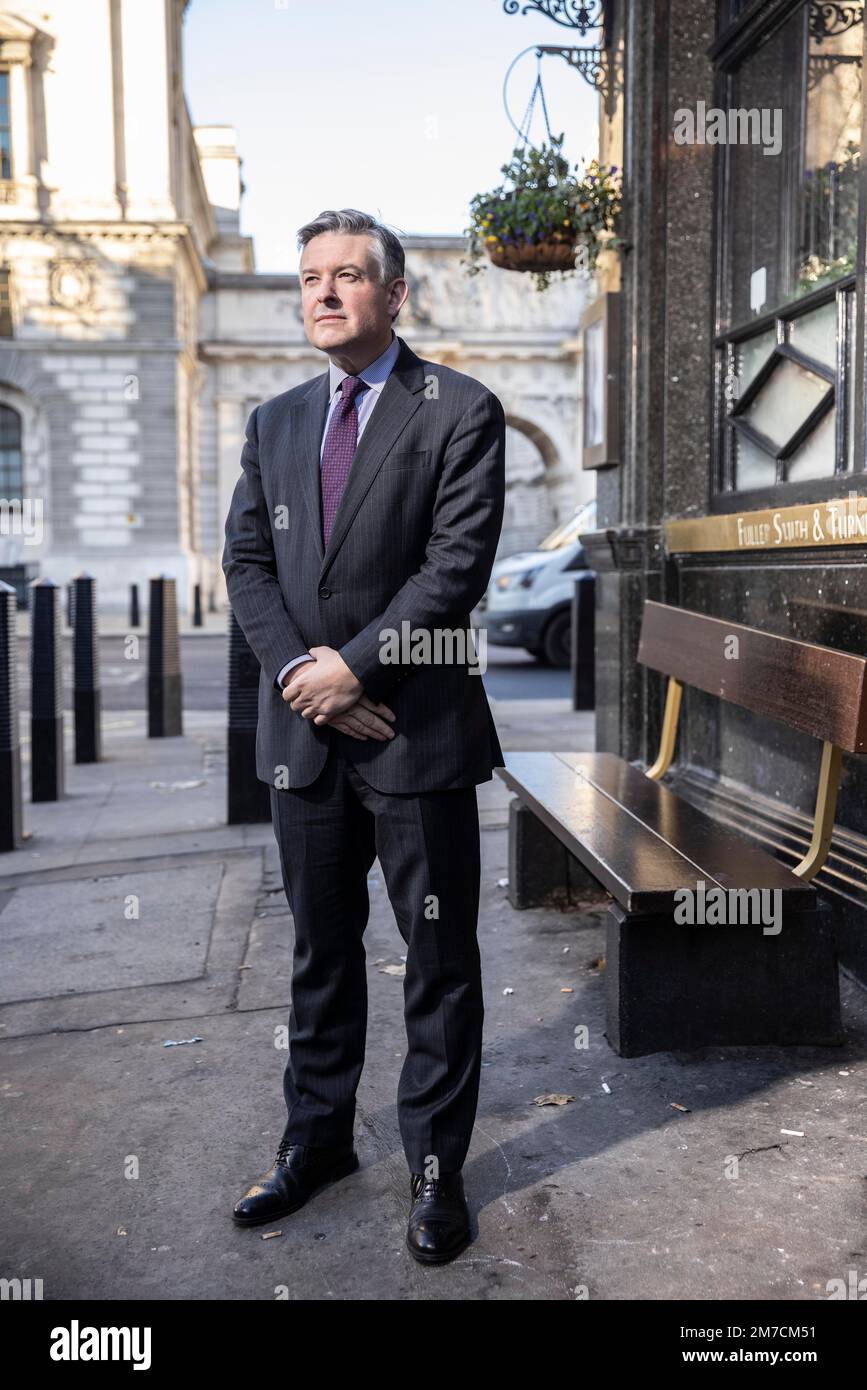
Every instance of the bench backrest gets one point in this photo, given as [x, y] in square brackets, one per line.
[819, 690]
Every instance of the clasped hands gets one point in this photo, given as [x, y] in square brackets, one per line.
[326, 691]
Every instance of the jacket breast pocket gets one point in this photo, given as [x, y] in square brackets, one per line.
[416, 458]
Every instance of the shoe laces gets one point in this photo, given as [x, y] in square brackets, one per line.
[426, 1187]
[284, 1150]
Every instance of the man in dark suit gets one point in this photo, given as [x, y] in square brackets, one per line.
[370, 504]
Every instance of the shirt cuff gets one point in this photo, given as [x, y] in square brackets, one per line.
[288, 667]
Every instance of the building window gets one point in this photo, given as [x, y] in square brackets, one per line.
[5, 128]
[5, 306]
[11, 467]
[789, 202]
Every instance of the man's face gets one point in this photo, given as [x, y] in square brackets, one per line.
[345, 305]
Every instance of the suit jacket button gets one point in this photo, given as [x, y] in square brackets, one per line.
[325, 593]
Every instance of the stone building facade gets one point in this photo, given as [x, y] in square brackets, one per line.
[136, 334]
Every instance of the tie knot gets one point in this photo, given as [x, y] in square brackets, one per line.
[350, 387]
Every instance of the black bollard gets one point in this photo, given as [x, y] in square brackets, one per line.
[197, 605]
[134, 619]
[85, 654]
[10, 741]
[46, 699]
[584, 642]
[249, 800]
[164, 661]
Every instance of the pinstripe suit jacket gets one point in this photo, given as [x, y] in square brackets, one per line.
[413, 542]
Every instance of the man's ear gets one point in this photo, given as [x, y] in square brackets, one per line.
[398, 294]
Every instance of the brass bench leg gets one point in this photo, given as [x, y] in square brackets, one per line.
[668, 737]
[823, 819]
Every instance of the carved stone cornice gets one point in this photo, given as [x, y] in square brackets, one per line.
[21, 42]
[167, 236]
[94, 230]
[16, 38]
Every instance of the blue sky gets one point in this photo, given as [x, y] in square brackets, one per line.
[395, 108]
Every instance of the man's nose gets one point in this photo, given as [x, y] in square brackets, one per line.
[327, 290]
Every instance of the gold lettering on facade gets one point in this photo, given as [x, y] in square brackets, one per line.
[836, 521]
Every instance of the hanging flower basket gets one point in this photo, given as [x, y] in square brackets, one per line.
[540, 216]
[543, 257]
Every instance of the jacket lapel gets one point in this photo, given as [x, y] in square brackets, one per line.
[307, 421]
[399, 399]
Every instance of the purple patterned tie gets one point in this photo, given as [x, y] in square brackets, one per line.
[338, 452]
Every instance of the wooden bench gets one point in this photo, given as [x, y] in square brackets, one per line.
[585, 822]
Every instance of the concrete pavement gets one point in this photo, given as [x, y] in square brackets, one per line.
[135, 917]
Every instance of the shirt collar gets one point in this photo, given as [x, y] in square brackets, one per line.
[375, 374]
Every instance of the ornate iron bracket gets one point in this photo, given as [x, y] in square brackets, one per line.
[568, 13]
[592, 63]
[826, 20]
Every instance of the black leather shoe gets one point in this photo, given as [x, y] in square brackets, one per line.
[298, 1171]
[439, 1222]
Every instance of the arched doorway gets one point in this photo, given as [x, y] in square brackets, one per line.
[529, 512]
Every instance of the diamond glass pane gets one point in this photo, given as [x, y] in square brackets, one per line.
[785, 401]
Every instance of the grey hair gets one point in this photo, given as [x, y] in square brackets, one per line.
[386, 246]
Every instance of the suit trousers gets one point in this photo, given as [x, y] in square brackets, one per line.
[328, 835]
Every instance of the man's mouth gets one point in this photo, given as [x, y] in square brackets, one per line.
[330, 318]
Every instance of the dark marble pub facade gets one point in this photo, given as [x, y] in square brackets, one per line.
[741, 389]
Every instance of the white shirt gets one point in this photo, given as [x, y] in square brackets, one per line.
[374, 377]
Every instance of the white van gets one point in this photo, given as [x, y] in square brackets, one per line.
[529, 599]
